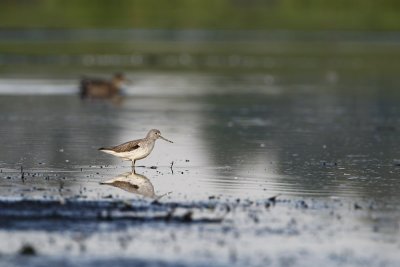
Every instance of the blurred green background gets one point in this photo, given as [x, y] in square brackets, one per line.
[203, 14]
[70, 37]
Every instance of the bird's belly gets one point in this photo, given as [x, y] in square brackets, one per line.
[139, 153]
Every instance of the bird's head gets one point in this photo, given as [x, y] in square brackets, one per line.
[155, 134]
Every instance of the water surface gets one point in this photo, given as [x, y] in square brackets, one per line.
[235, 136]
[327, 147]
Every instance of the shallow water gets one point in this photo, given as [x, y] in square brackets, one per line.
[233, 137]
[327, 146]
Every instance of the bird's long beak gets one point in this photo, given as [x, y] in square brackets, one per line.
[165, 139]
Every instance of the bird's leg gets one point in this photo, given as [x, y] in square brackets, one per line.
[133, 165]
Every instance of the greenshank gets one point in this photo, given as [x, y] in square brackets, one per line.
[136, 149]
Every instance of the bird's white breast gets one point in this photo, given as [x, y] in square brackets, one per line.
[143, 151]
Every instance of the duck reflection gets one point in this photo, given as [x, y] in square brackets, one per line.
[134, 183]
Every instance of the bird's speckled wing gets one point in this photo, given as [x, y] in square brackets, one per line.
[125, 147]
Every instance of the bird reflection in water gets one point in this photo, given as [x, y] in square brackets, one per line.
[134, 183]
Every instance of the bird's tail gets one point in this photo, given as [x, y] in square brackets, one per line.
[107, 150]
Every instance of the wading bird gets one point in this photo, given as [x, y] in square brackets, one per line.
[136, 149]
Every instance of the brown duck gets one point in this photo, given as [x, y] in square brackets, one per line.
[99, 88]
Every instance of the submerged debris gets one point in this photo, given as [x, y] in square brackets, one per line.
[273, 198]
[27, 250]
[328, 164]
[302, 204]
[271, 201]
[187, 217]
